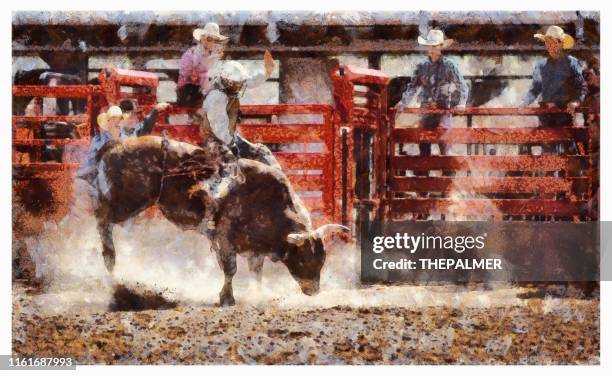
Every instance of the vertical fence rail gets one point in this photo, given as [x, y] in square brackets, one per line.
[330, 187]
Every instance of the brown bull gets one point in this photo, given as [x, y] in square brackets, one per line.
[261, 216]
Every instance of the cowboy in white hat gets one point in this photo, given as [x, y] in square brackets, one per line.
[435, 38]
[439, 85]
[557, 81]
[110, 122]
[131, 125]
[196, 63]
[556, 34]
[115, 125]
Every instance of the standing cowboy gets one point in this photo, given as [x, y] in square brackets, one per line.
[440, 86]
[558, 80]
[115, 126]
[197, 62]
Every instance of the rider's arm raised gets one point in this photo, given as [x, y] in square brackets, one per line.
[145, 127]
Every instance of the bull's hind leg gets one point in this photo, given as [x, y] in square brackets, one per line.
[256, 265]
[227, 262]
[108, 247]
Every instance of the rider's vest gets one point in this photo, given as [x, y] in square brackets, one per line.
[232, 108]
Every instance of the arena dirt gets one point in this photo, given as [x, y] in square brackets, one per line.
[549, 330]
[160, 307]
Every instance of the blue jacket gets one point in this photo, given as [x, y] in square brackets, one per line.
[557, 81]
[439, 82]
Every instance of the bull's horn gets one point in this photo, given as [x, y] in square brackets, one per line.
[333, 228]
[297, 238]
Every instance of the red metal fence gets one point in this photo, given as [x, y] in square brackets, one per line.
[348, 156]
[497, 186]
[31, 174]
[306, 150]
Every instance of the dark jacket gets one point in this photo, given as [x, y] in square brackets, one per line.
[558, 81]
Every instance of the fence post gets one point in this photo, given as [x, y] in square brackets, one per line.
[329, 189]
[346, 176]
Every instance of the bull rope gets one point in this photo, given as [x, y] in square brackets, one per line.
[164, 146]
[185, 168]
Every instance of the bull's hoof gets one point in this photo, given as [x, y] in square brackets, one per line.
[226, 301]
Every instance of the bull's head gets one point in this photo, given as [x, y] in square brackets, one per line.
[306, 254]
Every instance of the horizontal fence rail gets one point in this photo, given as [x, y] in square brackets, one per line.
[480, 111]
[60, 91]
[42, 169]
[488, 184]
[491, 207]
[489, 135]
[310, 172]
[491, 163]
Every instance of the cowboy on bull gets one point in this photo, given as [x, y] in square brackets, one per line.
[216, 87]
[116, 125]
[559, 81]
[218, 128]
[440, 86]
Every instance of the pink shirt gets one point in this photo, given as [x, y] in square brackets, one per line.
[194, 69]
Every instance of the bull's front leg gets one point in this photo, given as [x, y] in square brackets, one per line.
[108, 247]
[256, 265]
[227, 262]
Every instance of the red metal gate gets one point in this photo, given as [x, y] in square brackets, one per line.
[309, 158]
[511, 186]
[360, 98]
[496, 186]
[45, 186]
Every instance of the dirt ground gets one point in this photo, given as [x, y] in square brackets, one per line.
[534, 327]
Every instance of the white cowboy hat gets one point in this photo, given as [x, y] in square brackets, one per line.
[210, 30]
[557, 33]
[112, 112]
[435, 37]
[233, 71]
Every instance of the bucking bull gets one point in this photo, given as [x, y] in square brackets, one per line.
[261, 215]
